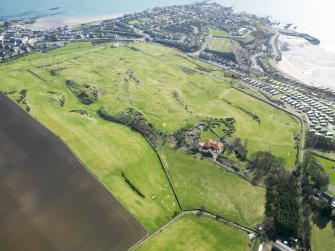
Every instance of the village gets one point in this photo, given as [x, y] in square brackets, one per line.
[239, 42]
[183, 27]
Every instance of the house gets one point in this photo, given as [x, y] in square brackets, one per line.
[115, 45]
[213, 144]
[327, 197]
[279, 246]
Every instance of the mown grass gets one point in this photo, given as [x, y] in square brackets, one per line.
[323, 239]
[204, 135]
[132, 22]
[218, 32]
[201, 184]
[221, 45]
[197, 233]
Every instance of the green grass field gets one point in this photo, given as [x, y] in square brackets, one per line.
[329, 167]
[200, 183]
[197, 233]
[105, 148]
[144, 78]
[204, 96]
[218, 32]
[323, 239]
[220, 44]
[204, 135]
[158, 73]
[132, 22]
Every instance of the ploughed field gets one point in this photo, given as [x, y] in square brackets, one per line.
[48, 200]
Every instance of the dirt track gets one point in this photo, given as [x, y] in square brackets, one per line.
[48, 201]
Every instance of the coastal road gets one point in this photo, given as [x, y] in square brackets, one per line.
[274, 44]
[48, 200]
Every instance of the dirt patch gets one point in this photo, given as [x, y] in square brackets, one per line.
[48, 199]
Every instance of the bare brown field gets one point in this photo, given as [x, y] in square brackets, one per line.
[48, 200]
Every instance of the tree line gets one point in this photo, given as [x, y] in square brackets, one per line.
[292, 198]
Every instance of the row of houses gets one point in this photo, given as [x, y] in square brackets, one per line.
[327, 197]
[271, 89]
[320, 116]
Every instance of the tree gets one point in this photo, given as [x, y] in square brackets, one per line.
[262, 163]
[238, 148]
[282, 202]
[319, 142]
[315, 175]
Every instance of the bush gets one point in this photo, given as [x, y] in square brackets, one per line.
[132, 186]
[134, 120]
[85, 93]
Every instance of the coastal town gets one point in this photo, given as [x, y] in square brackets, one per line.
[245, 48]
[239, 42]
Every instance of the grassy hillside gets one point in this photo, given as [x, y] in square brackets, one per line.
[160, 75]
[323, 239]
[53, 87]
[200, 183]
[205, 97]
[197, 233]
[218, 32]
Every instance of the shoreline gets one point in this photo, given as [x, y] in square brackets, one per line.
[307, 63]
[301, 60]
[53, 22]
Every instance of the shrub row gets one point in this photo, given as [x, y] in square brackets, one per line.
[132, 186]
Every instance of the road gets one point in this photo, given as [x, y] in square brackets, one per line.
[274, 44]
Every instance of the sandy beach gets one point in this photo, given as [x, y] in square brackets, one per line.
[308, 63]
[51, 22]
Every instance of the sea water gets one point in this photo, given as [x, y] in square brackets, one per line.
[77, 8]
[311, 64]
